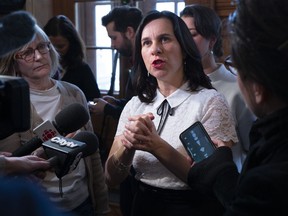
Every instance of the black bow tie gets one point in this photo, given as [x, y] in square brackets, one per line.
[164, 110]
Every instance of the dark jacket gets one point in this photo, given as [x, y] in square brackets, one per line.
[262, 186]
[82, 76]
[116, 110]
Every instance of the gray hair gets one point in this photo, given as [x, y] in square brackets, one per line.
[8, 64]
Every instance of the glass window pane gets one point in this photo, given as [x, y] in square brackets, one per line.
[169, 6]
[102, 38]
[180, 7]
[104, 53]
[104, 69]
[173, 6]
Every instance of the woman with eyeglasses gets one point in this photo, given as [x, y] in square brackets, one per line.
[84, 189]
[260, 53]
[205, 27]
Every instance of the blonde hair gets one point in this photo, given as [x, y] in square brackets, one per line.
[9, 66]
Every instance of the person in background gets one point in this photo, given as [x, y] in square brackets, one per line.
[121, 24]
[205, 27]
[259, 53]
[67, 41]
[84, 189]
[173, 92]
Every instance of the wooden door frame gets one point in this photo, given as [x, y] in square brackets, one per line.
[65, 7]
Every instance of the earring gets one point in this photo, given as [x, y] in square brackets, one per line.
[148, 74]
[211, 52]
[184, 65]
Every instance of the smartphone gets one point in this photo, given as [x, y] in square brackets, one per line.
[197, 142]
[92, 103]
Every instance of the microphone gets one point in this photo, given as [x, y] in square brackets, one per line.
[64, 153]
[68, 120]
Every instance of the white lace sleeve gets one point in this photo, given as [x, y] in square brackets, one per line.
[218, 119]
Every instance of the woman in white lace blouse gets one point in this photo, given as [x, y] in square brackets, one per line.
[169, 72]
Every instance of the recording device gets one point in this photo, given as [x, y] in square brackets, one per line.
[91, 103]
[197, 142]
[68, 120]
[64, 154]
[14, 105]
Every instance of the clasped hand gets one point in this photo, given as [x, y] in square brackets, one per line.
[140, 133]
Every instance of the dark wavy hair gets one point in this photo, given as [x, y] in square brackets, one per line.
[123, 16]
[193, 71]
[259, 34]
[62, 26]
[207, 23]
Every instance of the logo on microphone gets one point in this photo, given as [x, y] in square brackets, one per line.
[48, 134]
[61, 141]
[46, 131]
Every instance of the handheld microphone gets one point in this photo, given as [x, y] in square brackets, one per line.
[64, 154]
[68, 120]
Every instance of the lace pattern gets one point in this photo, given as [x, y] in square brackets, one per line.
[218, 120]
[206, 106]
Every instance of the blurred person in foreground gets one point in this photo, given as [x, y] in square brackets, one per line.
[173, 92]
[68, 42]
[205, 27]
[259, 53]
[84, 189]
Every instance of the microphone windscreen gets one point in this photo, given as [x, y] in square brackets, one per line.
[91, 141]
[71, 118]
[16, 29]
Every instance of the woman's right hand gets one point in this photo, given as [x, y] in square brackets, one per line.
[219, 143]
[98, 107]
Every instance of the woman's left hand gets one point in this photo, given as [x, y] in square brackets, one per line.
[140, 133]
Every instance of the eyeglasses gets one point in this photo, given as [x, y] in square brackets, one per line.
[29, 54]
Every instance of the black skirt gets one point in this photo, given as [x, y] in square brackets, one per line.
[153, 201]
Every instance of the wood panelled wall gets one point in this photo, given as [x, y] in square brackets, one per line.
[65, 7]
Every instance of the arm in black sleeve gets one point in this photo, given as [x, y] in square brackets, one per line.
[217, 174]
[89, 85]
[115, 110]
[122, 102]
[82, 76]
